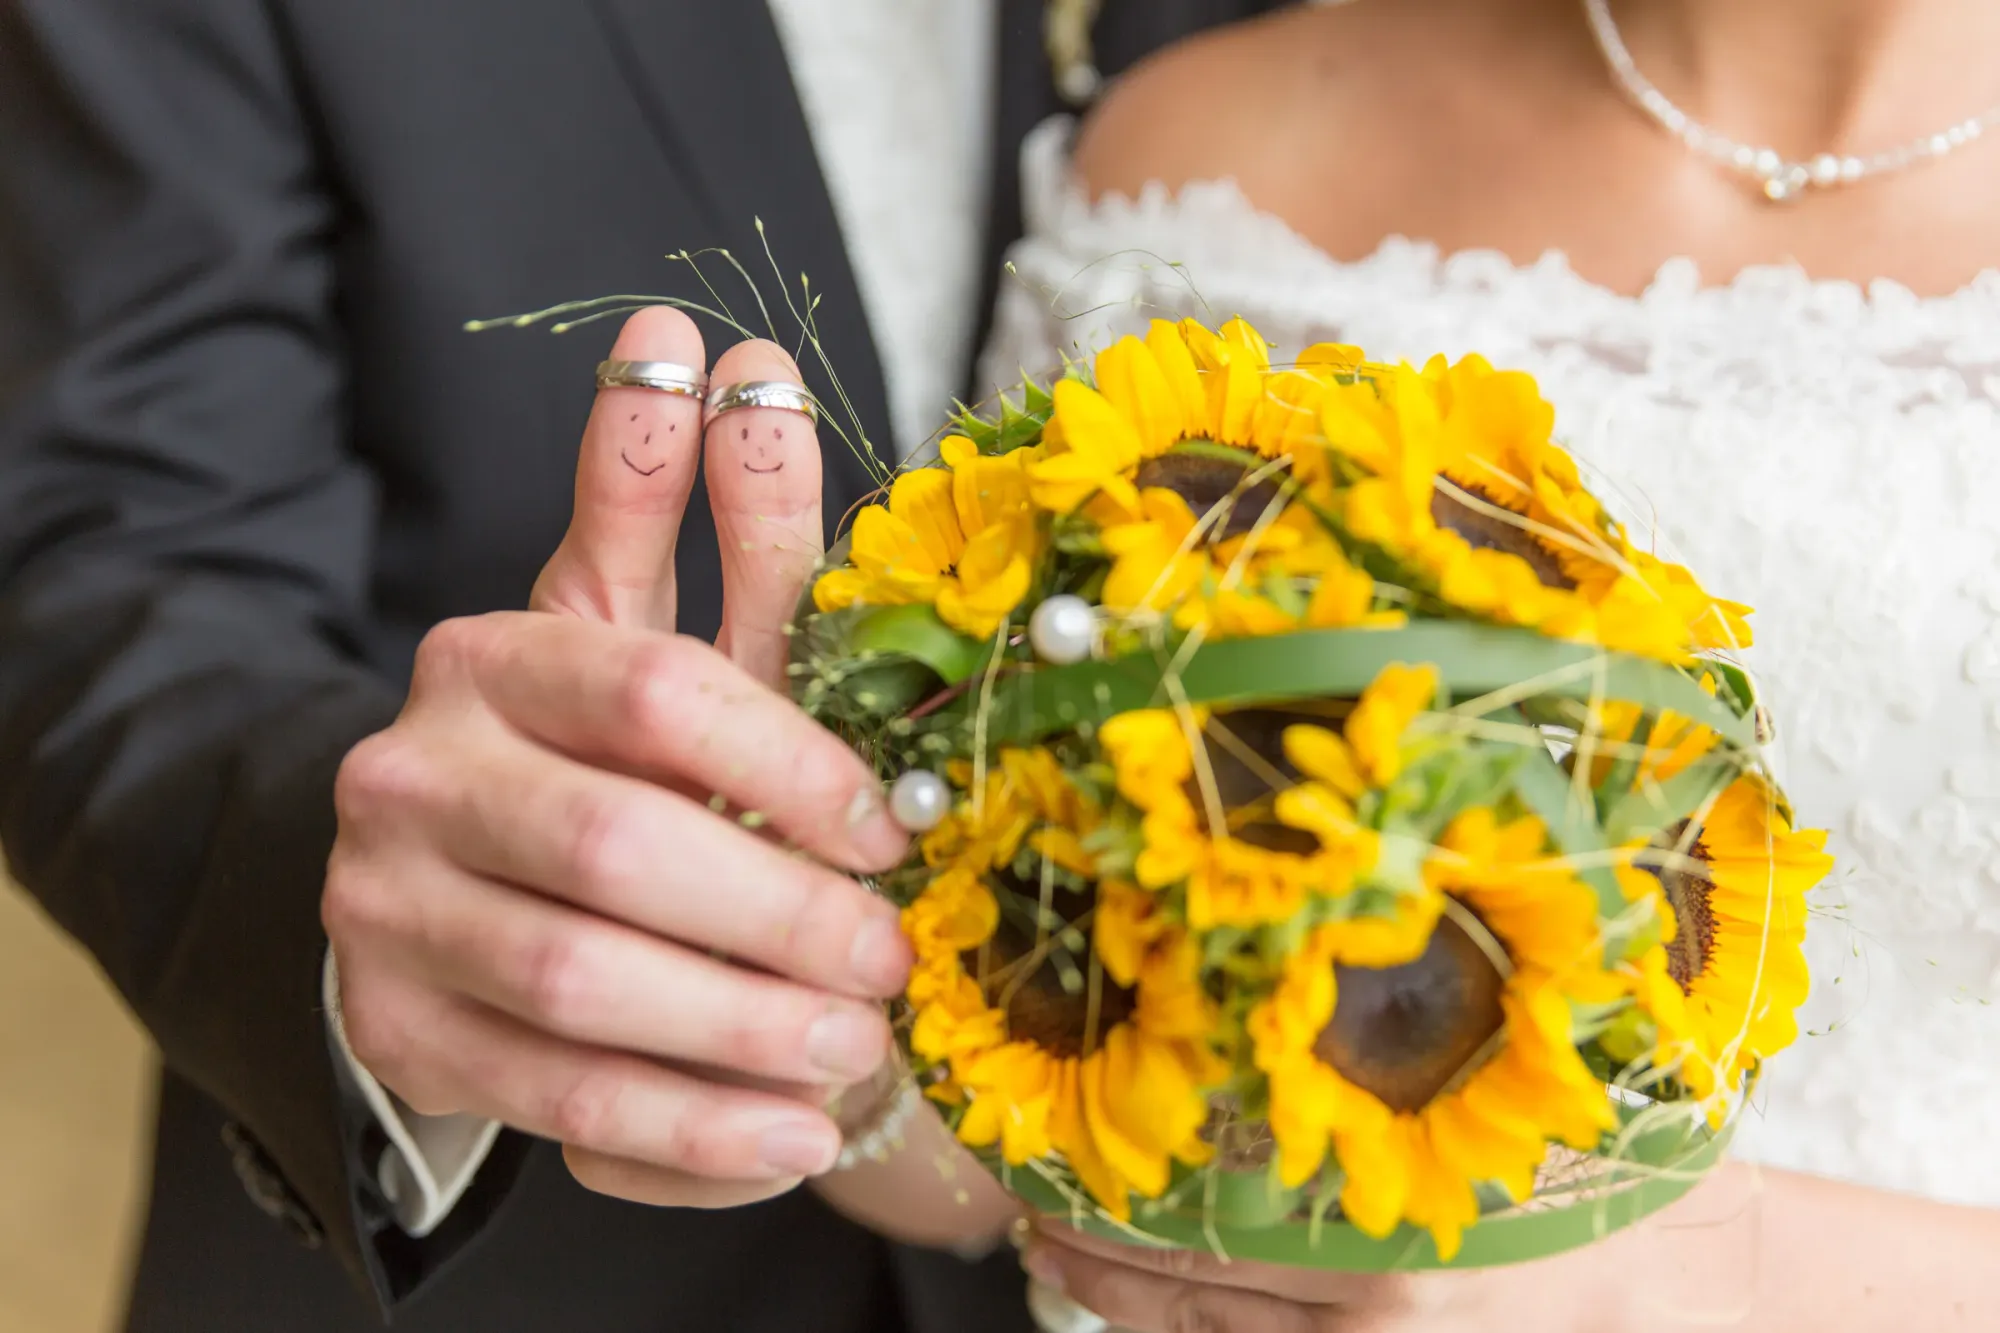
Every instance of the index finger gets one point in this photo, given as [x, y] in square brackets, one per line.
[675, 711]
[762, 469]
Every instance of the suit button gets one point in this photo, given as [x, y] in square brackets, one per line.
[266, 1187]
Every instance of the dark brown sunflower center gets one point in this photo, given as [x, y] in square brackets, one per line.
[1206, 482]
[1408, 1033]
[1689, 892]
[1040, 1007]
[1487, 531]
[1246, 759]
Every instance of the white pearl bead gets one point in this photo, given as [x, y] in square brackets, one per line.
[1825, 169]
[1851, 168]
[919, 800]
[1767, 162]
[1063, 630]
[1744, 156]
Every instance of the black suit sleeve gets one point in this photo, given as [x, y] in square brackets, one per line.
[185, 543]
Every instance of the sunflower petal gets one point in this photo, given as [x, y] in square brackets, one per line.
[1130, 377]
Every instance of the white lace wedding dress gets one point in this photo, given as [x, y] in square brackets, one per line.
[1828, 454]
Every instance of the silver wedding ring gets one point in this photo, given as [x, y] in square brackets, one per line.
[660, 376]
[784, 396]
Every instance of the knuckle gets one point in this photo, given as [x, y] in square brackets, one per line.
[559, 981]
[379, 1036]
[381, 774]
[585, 1111]
[607, 835]
[814, 935]
[349, 904]
[697, 1142]
[767, 1034]
[1191, 1313]
[654, 675]
[452, 649]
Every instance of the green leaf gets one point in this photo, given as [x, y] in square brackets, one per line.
[1455, 780]
[1650, 807]
[1653, 1168]
[1036, 401]
[916, 633]
[1475, 661]
[1248, 1200]
[1740, 693]
[1017, 425]
[1221, 942]
[1247, 459]
[1571, 819]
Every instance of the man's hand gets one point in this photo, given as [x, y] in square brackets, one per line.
[542, 903]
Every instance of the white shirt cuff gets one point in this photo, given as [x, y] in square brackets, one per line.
[431, 1159]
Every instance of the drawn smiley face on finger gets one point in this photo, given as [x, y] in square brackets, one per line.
[642, 457]
[764, 459]
[761, 458]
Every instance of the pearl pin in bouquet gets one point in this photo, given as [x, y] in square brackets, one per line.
[1341, 844]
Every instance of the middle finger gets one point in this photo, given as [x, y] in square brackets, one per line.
[595, 981]
[652, 859]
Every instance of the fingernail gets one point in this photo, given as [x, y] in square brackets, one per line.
[879, 839]
[880, 956]
[1042, 1267]
[845, 1044]
[799, 1148]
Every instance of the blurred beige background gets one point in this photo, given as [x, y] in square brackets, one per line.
[75, 1097]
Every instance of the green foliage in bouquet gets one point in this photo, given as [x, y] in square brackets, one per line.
[1342, 845]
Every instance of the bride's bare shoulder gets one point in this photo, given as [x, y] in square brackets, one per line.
[1230, 101]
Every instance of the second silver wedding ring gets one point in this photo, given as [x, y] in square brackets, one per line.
[780, 394]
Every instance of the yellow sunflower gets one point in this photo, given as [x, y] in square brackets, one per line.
[1181, 382]
[1026, 797]
[1115, 1079]
[1478, 1071]
[1230, 880]
[963, 538]
[1470, 490]
[1729, 885]
[1113, 1075]
[1724, 986]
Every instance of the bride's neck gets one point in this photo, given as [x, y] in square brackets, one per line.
[1813, 75]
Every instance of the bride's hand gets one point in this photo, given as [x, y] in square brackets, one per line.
[1179, 1291]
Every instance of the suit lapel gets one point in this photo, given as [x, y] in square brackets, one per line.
[711, 81]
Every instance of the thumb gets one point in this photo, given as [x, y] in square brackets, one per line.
[634, 475]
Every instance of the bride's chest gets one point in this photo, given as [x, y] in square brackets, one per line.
[1837, 467]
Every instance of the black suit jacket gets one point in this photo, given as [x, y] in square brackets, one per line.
[248, 457]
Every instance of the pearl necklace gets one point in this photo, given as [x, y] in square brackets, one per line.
[1782, 179]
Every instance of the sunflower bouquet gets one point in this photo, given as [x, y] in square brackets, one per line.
[1341, 843]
